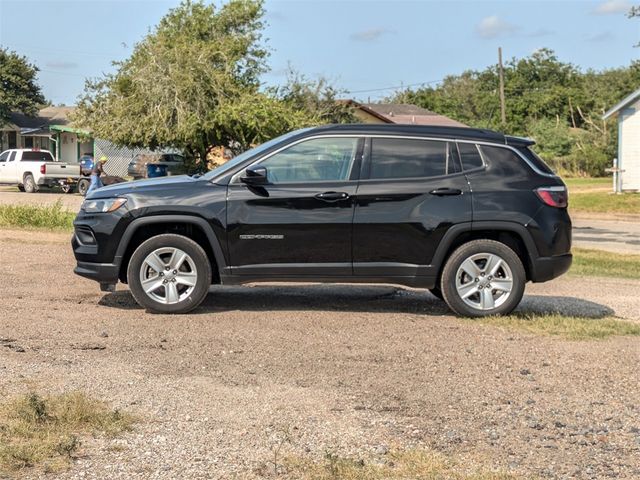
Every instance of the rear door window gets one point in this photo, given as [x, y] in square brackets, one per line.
[470, 156]
[36, 157]
[4, 156]
[408, 158]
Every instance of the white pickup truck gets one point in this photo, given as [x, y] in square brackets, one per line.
[31, 169]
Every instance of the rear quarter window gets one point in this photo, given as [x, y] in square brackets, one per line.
[536, 160]
[37, 157]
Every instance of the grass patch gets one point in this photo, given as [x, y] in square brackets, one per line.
[45, 432]
[604, 264]
[604, 202]
[568, 327]
[53, 217]
[588, 182]
[399, 465]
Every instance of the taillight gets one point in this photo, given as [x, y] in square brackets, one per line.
[557, 196]
[43, 168]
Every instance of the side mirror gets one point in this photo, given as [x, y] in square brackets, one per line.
[255, 176]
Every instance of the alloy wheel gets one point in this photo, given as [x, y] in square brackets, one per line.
[168, 275]
[484, 281]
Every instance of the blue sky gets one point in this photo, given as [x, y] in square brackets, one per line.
[362, 46]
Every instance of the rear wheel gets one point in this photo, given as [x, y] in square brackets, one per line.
[483, 278]
[83, 186]
[169, 274]
[29, 184]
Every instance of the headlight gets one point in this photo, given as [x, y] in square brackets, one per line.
[103, 205]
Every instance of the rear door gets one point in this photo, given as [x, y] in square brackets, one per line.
[299, 223]
[411, 192]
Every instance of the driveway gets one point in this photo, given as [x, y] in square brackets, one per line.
[349, 370]
[618, 236]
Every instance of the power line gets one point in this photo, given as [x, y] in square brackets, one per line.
[395, 87]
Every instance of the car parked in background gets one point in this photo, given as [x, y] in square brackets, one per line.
[471, 215]
[148, 165]
[86, 164]
[30, 168]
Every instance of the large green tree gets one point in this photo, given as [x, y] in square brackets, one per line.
[554, 102]
[19, 90]
[183, 83]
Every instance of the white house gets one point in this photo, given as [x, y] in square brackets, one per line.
[628, 112]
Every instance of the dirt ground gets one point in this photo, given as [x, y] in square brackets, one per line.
[351, 370]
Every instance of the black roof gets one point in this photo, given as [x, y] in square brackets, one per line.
[426, 130]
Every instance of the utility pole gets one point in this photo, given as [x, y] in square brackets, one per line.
[503, 113]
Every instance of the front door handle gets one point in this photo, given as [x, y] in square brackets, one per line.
[332, 196]
[442, 192]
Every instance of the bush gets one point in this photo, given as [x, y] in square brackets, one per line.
[37, 216]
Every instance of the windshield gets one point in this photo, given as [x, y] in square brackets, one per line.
[224, 168]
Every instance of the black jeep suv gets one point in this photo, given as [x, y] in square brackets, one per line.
[471, 215]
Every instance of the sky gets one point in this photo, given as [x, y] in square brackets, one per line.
[369, 48]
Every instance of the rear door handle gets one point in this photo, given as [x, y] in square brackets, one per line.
[441, 192]
[332, 196]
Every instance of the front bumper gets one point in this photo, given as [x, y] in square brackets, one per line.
[547, 268]
[104, 273]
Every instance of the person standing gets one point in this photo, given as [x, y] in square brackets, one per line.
[96, 172]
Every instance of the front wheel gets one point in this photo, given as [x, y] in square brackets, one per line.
[483, 278]
[169, 274]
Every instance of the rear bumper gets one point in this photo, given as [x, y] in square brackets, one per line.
[547, 268]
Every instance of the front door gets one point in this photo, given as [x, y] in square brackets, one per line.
[411, 193]
[299, 222]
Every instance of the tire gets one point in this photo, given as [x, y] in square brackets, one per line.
[29, 184]
[83, 186]
[466, 274]
[66, 188]
[21, 188]
[190, 275]
[436, 292]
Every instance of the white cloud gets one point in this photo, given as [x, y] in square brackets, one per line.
[494, 26]
[61, 64]
[541, 32]
[600, 37]
[612, 7]
[371, 34]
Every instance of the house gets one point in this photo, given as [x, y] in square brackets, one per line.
[399, 113]
[627, 112]
[48, 130]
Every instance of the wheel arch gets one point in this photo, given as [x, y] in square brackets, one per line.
[195, 228]
[513, 235]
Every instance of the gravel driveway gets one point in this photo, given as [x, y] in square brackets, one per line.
[352, 370]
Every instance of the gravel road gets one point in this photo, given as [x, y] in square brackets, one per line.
[352, 370]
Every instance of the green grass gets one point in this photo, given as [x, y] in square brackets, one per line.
[412, 464]
[567, 327]
[604, 202]
[51, 217]
[605, 264]
[45, 432]
[586, 182]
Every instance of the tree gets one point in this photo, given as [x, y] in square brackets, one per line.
[183, 82]
[19, 91]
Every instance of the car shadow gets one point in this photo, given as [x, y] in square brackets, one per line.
[354, 298]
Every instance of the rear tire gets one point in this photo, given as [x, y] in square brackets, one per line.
[29, 184]
[483, 278]
[169, 274]
[83, 186]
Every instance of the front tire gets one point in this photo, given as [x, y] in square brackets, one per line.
[483, 278]
[169, 274]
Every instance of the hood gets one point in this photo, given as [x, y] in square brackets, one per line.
[141, 186]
